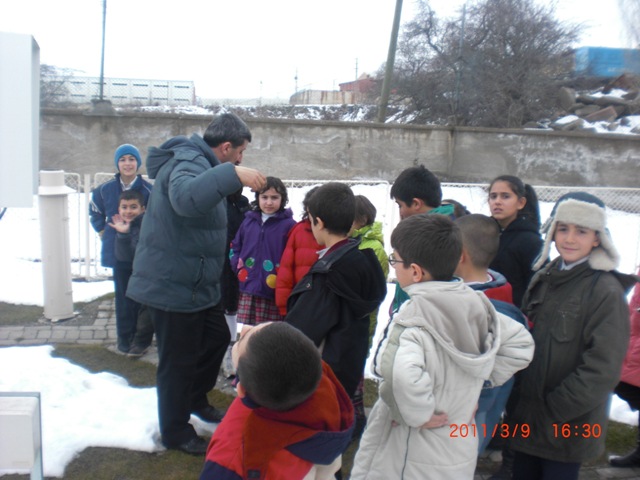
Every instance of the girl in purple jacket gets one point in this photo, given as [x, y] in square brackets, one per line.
[256, 251]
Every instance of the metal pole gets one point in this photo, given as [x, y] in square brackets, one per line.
[104, 22]
[391, 56]
[87, 229]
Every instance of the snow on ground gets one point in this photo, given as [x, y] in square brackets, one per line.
[81, 409]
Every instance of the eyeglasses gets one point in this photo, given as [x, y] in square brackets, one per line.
[393, 260]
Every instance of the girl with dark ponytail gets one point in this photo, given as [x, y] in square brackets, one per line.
[514, 205]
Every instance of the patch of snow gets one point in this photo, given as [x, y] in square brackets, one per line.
[566, 119]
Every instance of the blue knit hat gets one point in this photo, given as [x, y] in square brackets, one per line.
[127, 149]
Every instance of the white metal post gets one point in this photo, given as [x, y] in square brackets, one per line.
[56, 256]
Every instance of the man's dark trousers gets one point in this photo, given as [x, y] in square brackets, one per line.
[191, 347]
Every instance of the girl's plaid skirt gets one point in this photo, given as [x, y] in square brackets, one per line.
[253, 310]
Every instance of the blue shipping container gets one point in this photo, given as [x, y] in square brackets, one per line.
[606, 62]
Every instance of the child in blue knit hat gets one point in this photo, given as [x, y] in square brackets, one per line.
[104, 205]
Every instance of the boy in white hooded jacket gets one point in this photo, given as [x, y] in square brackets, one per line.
[434, 358]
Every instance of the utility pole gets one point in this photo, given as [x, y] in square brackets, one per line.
[459, 64]
[100, 105]
[104, 22]
[391, 56]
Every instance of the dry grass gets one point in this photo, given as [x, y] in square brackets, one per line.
[121, 464]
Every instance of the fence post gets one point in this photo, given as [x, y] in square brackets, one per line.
[87, 227]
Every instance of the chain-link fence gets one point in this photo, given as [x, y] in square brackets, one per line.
[119, 91]
[311, 183]
[623, 210]
[85, 250]
[622, 199]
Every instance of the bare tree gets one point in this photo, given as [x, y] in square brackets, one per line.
[629, 11]
[53, 85]
[497, 65]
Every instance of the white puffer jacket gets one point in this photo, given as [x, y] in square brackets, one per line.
[438, 351]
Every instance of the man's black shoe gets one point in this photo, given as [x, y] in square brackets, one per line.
[209, 414]
[631, 460]
[136, 351]
[194, 446]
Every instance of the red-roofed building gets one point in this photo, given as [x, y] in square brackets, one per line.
[364, 84]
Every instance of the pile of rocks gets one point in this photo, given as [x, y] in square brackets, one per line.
[613, 108]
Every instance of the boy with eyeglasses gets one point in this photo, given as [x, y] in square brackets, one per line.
[433, 360]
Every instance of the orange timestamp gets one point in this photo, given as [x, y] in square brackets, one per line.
[503, 430]
[585, 430]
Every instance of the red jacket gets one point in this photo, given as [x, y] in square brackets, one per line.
[300, 253]
[257, 443]
[503, 292]
[631, 366]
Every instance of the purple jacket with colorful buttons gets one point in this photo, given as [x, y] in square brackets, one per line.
[256, 251]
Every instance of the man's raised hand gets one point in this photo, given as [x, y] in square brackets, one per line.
[251, 178]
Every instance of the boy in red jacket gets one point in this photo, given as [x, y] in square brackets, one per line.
[291, 420]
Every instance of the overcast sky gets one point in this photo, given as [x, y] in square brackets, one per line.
[244, 48]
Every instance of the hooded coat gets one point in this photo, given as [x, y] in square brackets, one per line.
[331, 306]
[237, 206]
[126, 243]
[631, 366]
[435, 357]
[299, 255]
[256, 251]
[371, 236]
[105, 200]
[497, 288]
[581, 332]
[180, 254]
[520, 245]
[305, 442]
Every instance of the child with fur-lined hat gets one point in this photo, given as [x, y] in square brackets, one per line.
[581, 330]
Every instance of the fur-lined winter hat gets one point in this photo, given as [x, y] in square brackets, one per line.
[585, 210]
[127, 149]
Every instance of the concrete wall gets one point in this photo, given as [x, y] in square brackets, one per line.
[300, 149]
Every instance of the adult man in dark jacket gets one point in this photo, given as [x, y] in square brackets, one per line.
[178, 264]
